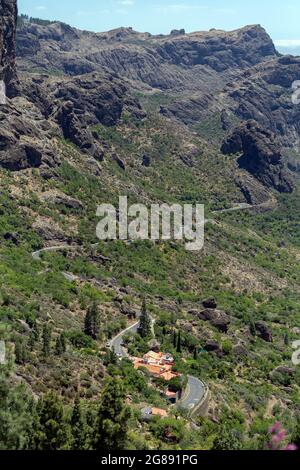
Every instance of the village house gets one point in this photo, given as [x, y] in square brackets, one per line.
[157, 364]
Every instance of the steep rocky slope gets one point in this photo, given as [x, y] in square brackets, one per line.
[205, 78]
[8, 16]
[103, 115]
[166, 62]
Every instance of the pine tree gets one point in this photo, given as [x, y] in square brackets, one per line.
[287, 339]
[296, 433]
[144, 329]
[32, 341]
[60, 345]
[92, 321]
[195, 353]
[113, 416]
[77, 427]
[252, 327]
[20, 352]
[34, 336]
[63, 342]
[46, 340]
[16, 412]
[178, 348]
[51, 432]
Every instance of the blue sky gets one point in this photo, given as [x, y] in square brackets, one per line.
[280, 19]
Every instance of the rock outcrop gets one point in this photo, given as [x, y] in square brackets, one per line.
[209, 303]
[78, 104]
[217, 318]
[263, 331]
[8, 26]
[260, 155]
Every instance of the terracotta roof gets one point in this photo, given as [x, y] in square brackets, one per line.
[170, 394]
[159, 412]
[169, 375]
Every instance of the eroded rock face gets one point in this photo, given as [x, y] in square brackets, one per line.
[78, 104]
[260, 155]
[8, 22]
[21, 146]
[159, 61]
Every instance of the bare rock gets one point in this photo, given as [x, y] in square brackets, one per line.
[260, 155]
[263, 331]
[48, 230]
[212, 346]
[8, 27]
[209, 303]
[217, 318]
[59, 198]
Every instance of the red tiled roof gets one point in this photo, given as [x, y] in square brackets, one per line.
[159, 412]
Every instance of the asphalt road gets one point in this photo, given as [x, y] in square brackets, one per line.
[193, 395]
[195, 388]
[36, 255]
[116, 342]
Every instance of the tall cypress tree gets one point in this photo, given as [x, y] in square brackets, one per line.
[60, 345]
[112, 420]
[174, 339]
[92, 321]
[144, 329]
[46, 340]
[178, 348]
[252, 327]
[20, 351]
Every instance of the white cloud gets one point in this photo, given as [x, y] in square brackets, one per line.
[127, 3]
[40, 8]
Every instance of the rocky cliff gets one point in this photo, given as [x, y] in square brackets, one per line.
[259, 154]
[8, 21]
[176, 61]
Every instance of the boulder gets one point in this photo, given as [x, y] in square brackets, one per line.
[217, 318]
[154, 345]
[146, 161]
[212, 346]
[263, 331]
[209, 303]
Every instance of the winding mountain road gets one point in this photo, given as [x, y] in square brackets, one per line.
[117, 341]
[196, 390]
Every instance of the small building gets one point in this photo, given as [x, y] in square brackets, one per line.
[172, 397]
[148, 413]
